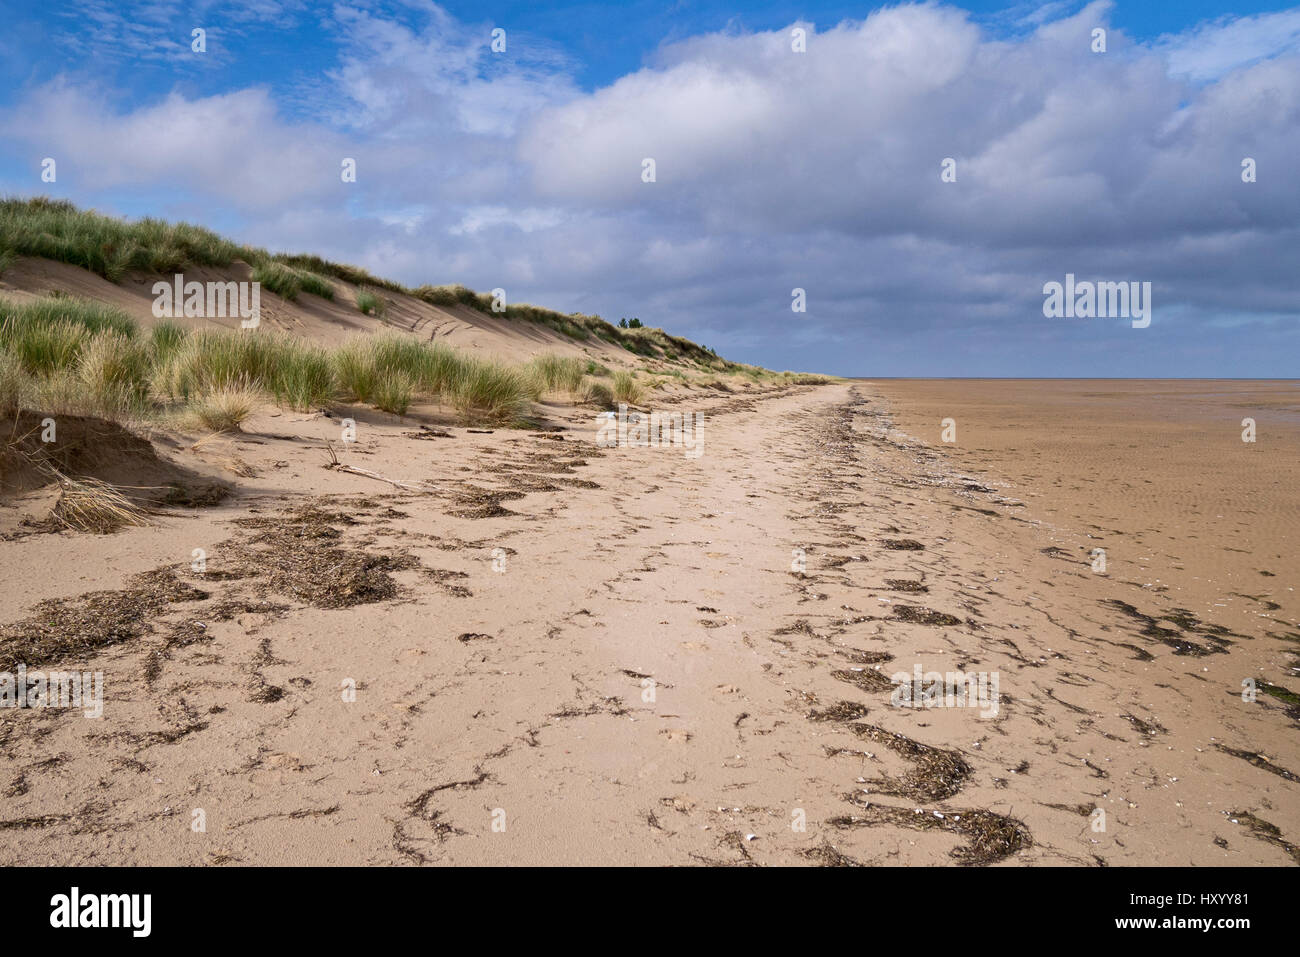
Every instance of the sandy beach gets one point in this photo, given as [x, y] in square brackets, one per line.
[536, 650]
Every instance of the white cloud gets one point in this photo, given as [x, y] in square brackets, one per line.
[1216, 48]
[774, 169]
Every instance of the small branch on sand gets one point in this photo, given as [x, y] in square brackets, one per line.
[411, 486]
[354, 470]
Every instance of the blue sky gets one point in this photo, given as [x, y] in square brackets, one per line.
[775, 169]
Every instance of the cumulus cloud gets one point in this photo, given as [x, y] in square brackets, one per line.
[776, 169]
[234, 146]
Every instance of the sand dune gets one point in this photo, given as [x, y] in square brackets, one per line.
[321, 320]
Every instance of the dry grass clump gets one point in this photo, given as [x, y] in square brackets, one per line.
[452, 295]
[362, 363]
[304, 379]
[806, 378]
[44, 348]
[70, 358]
[12, 384]
[626, 388]
[297, 373]
[598, 394]
[390, 370]
[224, 408]
[114, 371]
[431, 366]
[89, 505]
[355, 370]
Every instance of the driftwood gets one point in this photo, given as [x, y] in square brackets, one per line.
[375, 475]
[355, 470]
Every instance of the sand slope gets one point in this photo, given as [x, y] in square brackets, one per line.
[310, 316]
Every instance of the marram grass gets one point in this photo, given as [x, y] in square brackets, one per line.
[113, 248]
[66, 355]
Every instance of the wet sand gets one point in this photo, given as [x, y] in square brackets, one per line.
[1155, 471]
[565, 654]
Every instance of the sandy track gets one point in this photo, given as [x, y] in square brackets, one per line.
[648, 681]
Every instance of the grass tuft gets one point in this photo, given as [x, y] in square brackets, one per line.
[393, 391]
[224, 409]
[89, 505]
[491, 391]
[599, 395]
[558, 373]
[369, 303]
[280, 279]
[626, 388]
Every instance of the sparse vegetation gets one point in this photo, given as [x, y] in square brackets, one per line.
[558, 373]
[492, 390]
[393, 391]
[66, 355]
[89, 505]
[599, 395]
[626, 388]
[61, 354]
[289, 283]
[56, 229]
[224, 408]
[452, 296]
[316, 284]
[370, 303]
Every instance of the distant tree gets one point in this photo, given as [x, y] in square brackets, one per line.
[622, 323]
[634, 324]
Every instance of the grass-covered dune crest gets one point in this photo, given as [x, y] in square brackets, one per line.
[116, 249]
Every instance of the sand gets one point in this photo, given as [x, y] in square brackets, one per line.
[564, 654]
